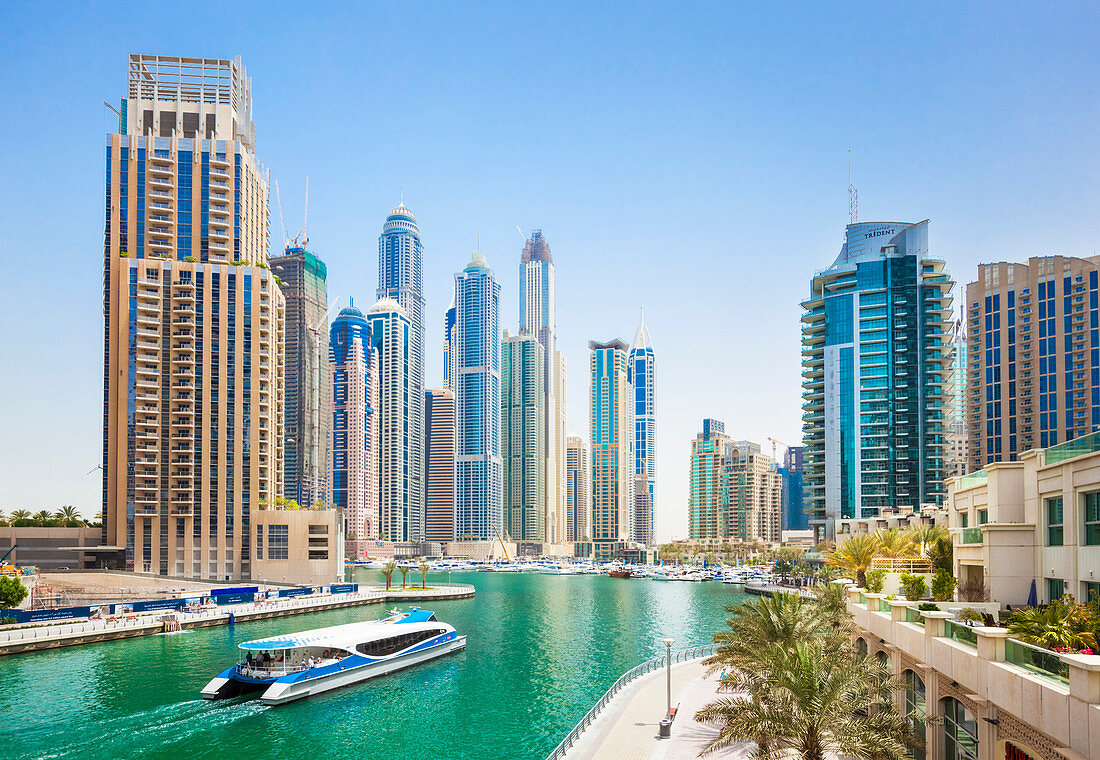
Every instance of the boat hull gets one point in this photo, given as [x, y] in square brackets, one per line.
[282, 691]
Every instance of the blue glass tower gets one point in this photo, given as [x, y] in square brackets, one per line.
[791, 501]
[641, 376]
[478, 463]
[401, 277]
[876, 363]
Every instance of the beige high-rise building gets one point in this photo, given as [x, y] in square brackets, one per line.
[557, 494]
[1033, 358]
[439, 459]
[611, 437]
[193, 333]
[577, 479]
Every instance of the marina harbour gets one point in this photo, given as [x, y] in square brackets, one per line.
[541, 650]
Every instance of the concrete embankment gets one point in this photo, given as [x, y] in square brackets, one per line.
[37, 638]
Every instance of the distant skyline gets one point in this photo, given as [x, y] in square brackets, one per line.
[691, 160]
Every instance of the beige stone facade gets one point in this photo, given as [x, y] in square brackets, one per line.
[1037, 519]
[193, 335]
[304, 546]
[977, 674]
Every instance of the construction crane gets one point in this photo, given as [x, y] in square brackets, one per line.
[774, 444]
[282, 224]
[502, 546]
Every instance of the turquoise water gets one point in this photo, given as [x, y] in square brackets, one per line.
[540, 651]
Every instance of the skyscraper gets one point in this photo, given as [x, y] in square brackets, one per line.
[1034, 355]
[611, 433]
[538, 317]
[353, 364]
[577, 479]
[478, 465]
[710, 450]
[640, 373]
[390, 331]
[956, 436]
[193, 323]
[791, 473]
[401, 277]
[523, 438]
[308, 425]
[876, 364]
[449, 348]
[735, 490]
[439, 460]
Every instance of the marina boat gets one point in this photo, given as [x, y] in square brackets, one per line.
[340, 655]
[620, 572]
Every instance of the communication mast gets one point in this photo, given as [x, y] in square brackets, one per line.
[853, 194]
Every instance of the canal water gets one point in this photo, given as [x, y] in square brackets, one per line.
[540, 651]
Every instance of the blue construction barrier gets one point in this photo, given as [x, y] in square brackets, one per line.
[285, 592]
[43, 616]
[235, 590]
[164, 604]
[235, 598]
[344, 588]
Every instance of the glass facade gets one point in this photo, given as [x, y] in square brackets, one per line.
[876, 371]
[641, 366]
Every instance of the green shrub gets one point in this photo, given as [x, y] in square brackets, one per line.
[943, 586]
[928, 607]
[913, 586]
[875, 580]
[969, 615]
[12, 592]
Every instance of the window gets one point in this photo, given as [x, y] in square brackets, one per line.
[1056, 588]
[1092, 593]
[916, 710]
[1092, 519]
[983, 516]
[1055, 521]
[960, 731]
[385, 647]
[278, 541]
[964, 520]
[861, 646]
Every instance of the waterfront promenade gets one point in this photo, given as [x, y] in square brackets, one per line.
[627, 729]
[36, 638]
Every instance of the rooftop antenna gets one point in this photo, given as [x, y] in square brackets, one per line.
[305, 223]
[282, 224]
[853, 194]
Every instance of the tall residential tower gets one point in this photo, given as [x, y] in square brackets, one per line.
[523, 438]
[876, 372]
[401, 278]
[389, 334]
[439, 465]
[308, 426]
[611, 436]
[578, 477]
[193, 324]
[641, 376]
[478, 464]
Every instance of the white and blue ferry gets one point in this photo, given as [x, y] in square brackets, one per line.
[339, 656]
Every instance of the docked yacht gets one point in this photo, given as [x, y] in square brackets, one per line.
[340, 655]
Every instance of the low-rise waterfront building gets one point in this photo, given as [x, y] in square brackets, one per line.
[973, 693]
[1030, 530]
[302, 546]
[59, 548]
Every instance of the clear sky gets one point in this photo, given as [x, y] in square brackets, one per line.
[691, 158]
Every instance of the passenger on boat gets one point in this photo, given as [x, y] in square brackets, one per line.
[309, 662]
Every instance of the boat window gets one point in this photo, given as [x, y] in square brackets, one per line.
[393, 644]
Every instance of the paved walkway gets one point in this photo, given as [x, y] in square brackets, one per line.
[627, 729]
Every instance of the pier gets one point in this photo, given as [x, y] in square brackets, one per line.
[40, 637]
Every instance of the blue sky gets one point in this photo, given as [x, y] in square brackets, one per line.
[688, 158]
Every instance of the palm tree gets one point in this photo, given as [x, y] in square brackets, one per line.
[1064, 623]
[404, 571]
[854, 557]
[3, 518]
[42, 517]
[832, 603]
[924, 536]
[809, 701]
[67, 513]
[782, 620]
[20, 514]
[941, 553]
[424, 574]
[387, 570]
[894, 543]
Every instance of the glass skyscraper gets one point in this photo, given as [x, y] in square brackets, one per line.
[523, 438]
[439, 461]
[478, 464]
[355, 441]
[308, 405]
[401, 278]
[876, 373]
[792, 503]
[611, 436]
[641, 375]
[390, 331]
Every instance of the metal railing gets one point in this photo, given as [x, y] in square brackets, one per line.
[640, 670]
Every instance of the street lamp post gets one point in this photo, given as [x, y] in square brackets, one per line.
[668, 676]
